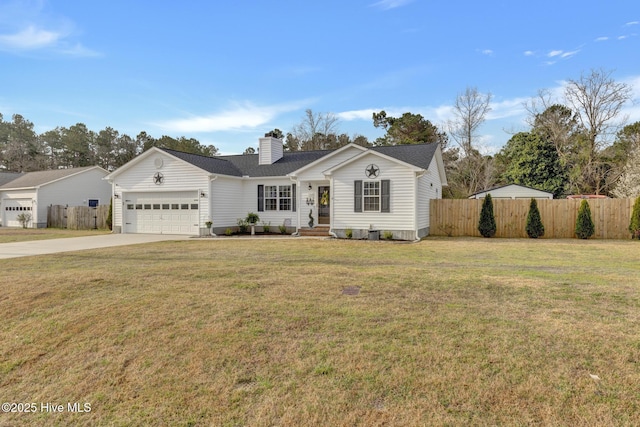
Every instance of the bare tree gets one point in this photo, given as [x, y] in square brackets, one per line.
[312, 132]
[470, 110]
[597, 100]
[472, 170]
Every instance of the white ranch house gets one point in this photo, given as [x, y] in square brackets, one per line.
[379, 188]
[31, 193]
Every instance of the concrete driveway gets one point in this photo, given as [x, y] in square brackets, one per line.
[52, 246]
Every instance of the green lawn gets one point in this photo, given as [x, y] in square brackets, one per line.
[236, 332]
[8, 235]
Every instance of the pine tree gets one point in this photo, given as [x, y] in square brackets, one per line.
[487, 225]
[534, 227]
[584, 224]
[634, 224]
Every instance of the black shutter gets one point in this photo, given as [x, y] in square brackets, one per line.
[385, 201]
[260, 198]
[293, 197]
[357, 196]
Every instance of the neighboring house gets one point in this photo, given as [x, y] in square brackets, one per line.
[32, 192]
[513, 191]
[357, 188]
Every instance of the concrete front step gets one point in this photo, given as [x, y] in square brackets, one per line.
[316, 231]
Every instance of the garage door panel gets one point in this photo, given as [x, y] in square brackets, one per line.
[12, 208]
[162, 213]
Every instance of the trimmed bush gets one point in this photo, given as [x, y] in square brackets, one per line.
[109, 220]
[487, 224]
[634, 224]
[584, 223]
[534, 227]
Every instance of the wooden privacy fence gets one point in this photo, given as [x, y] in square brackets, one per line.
[455, 217]
[77, 217]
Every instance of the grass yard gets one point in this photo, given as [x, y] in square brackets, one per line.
[8, 235]
[241, 332]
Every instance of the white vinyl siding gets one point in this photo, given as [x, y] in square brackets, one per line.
[227, 202]
[429, 187]
[275, 217]
[402, 192]
[179, 176]
[316, 172]
[75, 190]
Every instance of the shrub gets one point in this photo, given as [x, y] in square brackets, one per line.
[634, 224]
[487, 223]
[348, 233]
[24, 219]
[243, 225]
[387, 235]
[252, 218]
[534, 227]
[584, 224]
[310, 218]
[109, 220]
[228, 232]
[282, 228]
[266, 227]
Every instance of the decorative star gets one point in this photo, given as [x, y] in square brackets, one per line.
[372, 171]
[158, 178]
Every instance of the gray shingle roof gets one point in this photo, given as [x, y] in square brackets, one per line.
[6, 177]
[419, 155]
[35, 179]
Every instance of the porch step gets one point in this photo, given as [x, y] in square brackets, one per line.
[319, 231]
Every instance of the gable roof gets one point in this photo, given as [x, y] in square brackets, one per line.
[418, 155]
[6, 177]
[509, 185]
[247, 164]
[40, 178]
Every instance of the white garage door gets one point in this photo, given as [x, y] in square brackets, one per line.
[161, 213]
[14, 207]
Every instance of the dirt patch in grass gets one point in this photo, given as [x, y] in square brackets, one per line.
[228, 332]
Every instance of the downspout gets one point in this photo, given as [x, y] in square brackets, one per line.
[211, 179]
[294, 179]
[331, 208]
[415, 203]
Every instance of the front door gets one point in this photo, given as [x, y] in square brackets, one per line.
[324, 205]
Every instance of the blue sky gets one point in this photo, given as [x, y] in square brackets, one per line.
[226, 72]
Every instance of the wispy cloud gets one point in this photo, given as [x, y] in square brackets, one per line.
[27, 28]
[553, 53]
[29, 38]
[240, 116]
[487, 52]
[390, 4]
[602, 39]
[529, 53]
[629, 24]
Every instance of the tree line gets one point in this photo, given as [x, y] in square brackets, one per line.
[577, 144]
[22, 149]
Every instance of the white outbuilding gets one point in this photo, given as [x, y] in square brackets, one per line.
[513, 191]
[32, 192]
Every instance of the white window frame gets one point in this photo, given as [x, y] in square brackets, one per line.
[278, 198]
[371, 194]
